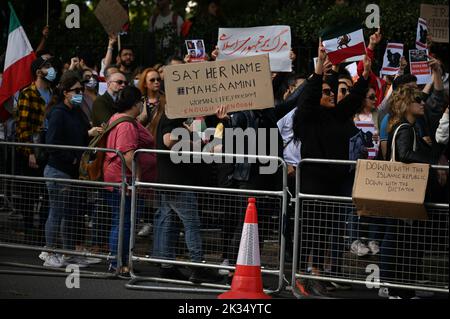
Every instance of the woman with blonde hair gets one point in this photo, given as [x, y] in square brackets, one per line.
[404, 142]
[399, 260]
[154, 100]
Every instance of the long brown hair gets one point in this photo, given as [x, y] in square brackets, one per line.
[400, 100]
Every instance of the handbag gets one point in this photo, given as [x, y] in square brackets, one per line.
[393, 141]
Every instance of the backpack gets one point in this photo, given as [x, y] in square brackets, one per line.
[91, 163]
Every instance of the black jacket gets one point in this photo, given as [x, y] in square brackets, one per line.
[404, 145]
[325, 133]
[66, 127]
[102, 109]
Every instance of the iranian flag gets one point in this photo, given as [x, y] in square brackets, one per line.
[341, 44]
[18, 59]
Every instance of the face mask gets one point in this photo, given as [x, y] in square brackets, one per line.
[91, 84]
[51, 74]
[136, 82]
[76, 99]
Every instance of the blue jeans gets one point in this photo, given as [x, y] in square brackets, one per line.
[375, 227]
[184, 205]
[113, 200]
[61, 210]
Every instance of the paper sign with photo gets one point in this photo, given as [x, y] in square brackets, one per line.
[369, 127]
[421, 35]
[418, 63]
[244, 42]
[196, 50]
[392, 57]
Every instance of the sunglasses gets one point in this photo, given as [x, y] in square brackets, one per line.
[372, 97]
[76, 90]
[155, 79]
[120, 82]
[418, 99]
[344, 91]
[327, 92]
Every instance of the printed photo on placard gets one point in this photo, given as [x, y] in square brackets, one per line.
[418, 63]
[196, 50]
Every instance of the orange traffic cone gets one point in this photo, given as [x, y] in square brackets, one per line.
[247, 280]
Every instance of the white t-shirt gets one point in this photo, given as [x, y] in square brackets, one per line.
[162, 21]
[291, 150]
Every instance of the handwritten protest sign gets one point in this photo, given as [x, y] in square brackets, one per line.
[391, 59]
[111, 15]
[243, 42]
[437, 20]
[390, 189]
[198, 89]
[418, 62]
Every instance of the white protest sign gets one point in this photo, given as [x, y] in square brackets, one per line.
[421, 34]
[391, 59]
[352, 68]
[418, 63]
[243, 42]
[102, 87]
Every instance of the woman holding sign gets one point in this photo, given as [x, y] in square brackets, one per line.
[398, 259]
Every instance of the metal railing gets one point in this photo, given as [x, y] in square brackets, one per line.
[79, 223]
[215, 207]
[338, 245]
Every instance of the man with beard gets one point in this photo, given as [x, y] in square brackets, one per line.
[126, 62]
[32, 106]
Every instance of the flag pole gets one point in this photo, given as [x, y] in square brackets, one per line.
[47, 13]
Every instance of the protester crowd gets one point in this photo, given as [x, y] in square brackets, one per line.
[315, 117]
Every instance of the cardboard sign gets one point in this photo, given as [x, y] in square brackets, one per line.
[421, 34]
[198, 89]
[437, 20]
[196, 50]
[418, 64]
[392, 58]
[111, 15]
[391, 189]
[243, 42]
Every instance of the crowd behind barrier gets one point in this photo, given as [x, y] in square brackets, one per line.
[186, 218]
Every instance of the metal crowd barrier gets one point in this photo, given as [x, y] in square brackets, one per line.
[24, 213]
[220, 210]
[413, 254]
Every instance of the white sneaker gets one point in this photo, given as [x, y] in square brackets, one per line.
[358, 248]
[74, 260]
[145, 230]
[43, 255]
[91, 260]
[224, 272]
[373, 246]
[53, 261]
[383, 292]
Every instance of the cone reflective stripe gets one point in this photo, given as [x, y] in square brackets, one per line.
[247, 280]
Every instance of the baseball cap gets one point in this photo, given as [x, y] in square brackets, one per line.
[39, 63]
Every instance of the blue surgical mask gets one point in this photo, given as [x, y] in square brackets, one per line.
[92, 83]
[76, 99]
[51, 74]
